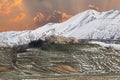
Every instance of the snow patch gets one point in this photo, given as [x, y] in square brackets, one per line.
[114, 46]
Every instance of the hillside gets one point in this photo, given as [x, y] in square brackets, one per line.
[58, 60]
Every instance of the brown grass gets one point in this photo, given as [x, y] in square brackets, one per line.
[65, 68]
[4, 69]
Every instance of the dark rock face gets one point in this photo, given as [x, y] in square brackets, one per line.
[37, 43]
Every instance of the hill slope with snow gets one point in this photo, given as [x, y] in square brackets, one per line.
[89, 24]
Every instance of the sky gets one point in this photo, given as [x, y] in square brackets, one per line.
[30, 14]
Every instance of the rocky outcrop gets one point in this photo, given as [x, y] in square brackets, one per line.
[61, 39]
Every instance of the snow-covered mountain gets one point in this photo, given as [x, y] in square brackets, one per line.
[88, 24]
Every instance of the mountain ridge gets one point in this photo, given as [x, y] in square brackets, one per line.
[89, 24]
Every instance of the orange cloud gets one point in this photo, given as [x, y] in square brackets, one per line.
[18, 18]
[39, 19]
[18, 3]
[56, 17]
[7, 6]
[91, 6]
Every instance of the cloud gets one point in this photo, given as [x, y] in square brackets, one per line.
[18, 18]
[7, 6]
[56, 17]
[39, 19]
[91, 6]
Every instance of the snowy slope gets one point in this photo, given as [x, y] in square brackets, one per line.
[89, 24]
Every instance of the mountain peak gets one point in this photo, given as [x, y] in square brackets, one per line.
[89, 24]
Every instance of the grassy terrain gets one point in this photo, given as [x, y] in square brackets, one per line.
[63, 59]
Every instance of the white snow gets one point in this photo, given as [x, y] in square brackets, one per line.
[89, 24]
[114, 46]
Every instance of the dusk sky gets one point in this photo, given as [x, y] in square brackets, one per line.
[22, 14]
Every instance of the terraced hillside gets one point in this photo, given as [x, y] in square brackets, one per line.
[70, 58]
[66, 60]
